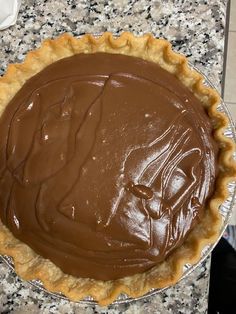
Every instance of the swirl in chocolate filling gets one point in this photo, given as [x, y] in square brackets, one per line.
[107, 162]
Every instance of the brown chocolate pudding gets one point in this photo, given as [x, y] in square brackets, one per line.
[107, 162]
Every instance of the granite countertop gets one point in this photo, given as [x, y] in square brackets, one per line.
[196, 29]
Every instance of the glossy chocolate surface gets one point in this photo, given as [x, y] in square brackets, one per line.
[106, 163]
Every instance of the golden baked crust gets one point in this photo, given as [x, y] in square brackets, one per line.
[28, 264]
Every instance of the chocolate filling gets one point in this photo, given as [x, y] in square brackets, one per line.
[106, 164]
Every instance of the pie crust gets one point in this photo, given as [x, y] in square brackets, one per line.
[30, 265]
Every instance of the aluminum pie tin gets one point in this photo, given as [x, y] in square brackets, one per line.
[225, 211]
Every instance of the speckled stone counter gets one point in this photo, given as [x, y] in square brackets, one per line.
[195, 28]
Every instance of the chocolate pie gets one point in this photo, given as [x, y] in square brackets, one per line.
[113, 165]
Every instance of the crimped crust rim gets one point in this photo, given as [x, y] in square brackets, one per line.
[28, 264]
